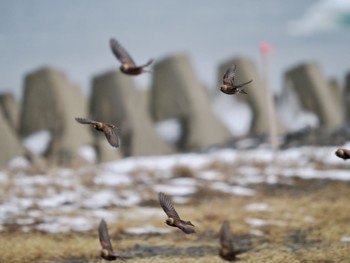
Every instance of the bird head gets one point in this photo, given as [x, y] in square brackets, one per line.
[223, 87]
[124, 67]
[170, 221]
[104, 253]
[341, 154]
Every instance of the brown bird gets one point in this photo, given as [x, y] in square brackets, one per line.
[128, 65]
[106, 128]
[107, 252]
[343, 153]
[174, 219]
[227, 250]
[228, 82]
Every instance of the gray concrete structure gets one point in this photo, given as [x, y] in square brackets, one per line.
[177, 93]
[256, 97]
[116, 100]
[11, 109]
[346, 99]
[10, 143]
[316, 94]
[50, 103]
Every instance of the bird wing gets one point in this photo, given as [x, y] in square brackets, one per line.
[121, 54]
[111, 136]
[86, 121]
[226, 238]
[167, 206]
[229, 76]
[104, 236]
[147, 64]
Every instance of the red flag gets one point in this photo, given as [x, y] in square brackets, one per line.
[266, 48]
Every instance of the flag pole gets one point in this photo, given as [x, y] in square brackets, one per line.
[265, 49]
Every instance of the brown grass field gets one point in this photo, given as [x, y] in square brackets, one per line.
[309, 218]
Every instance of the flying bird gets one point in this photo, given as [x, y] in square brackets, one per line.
[128, 65]
[228, 82]
[106, 128]
[227, 250]
[343, 153]
[174, 219]
[107, 252]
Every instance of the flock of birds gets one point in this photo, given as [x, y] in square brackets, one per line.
[128, 67]
[227, 251]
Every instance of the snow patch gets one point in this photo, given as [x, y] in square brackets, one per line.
[38, 142]
[170, 130]
[147, 229]
[88, 153]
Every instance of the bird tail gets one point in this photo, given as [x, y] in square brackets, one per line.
[243, 91]
[243, 84]
[147, 64]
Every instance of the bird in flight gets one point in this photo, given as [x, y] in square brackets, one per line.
[227, 250]
[107, 252]
[343, 153]
[228, 82]
[128, 65]
[106, 128]
[174, 219]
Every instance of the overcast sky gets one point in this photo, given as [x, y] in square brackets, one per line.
[73, 36]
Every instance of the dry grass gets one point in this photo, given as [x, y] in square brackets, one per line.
[310, 224]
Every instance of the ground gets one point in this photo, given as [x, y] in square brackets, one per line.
[283, 219]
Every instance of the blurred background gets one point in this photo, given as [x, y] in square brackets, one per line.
[73, 36]
[57, 64]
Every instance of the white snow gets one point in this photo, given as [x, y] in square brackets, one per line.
[65, 224]
[145, 212]
[112, 179]
[99, 199]
[170, 130]
[88, 153]
[211, 175]
[19, 162]
[236, 190]
[147, 229]
[258, 207]
[175, 189]
[38, 142]
[256, 222]
[129, 200]
[183, 181]
[115, 189]
[53, 201]
[345, 239]
[24, 180]
[105, 214]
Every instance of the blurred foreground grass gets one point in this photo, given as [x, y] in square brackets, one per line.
[307, 219]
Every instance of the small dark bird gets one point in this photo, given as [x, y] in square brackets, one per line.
[343, 153]
[128, 65]
[106, 128]
[107, 252]
[174, 219]
[227, 250]
[228, 82]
